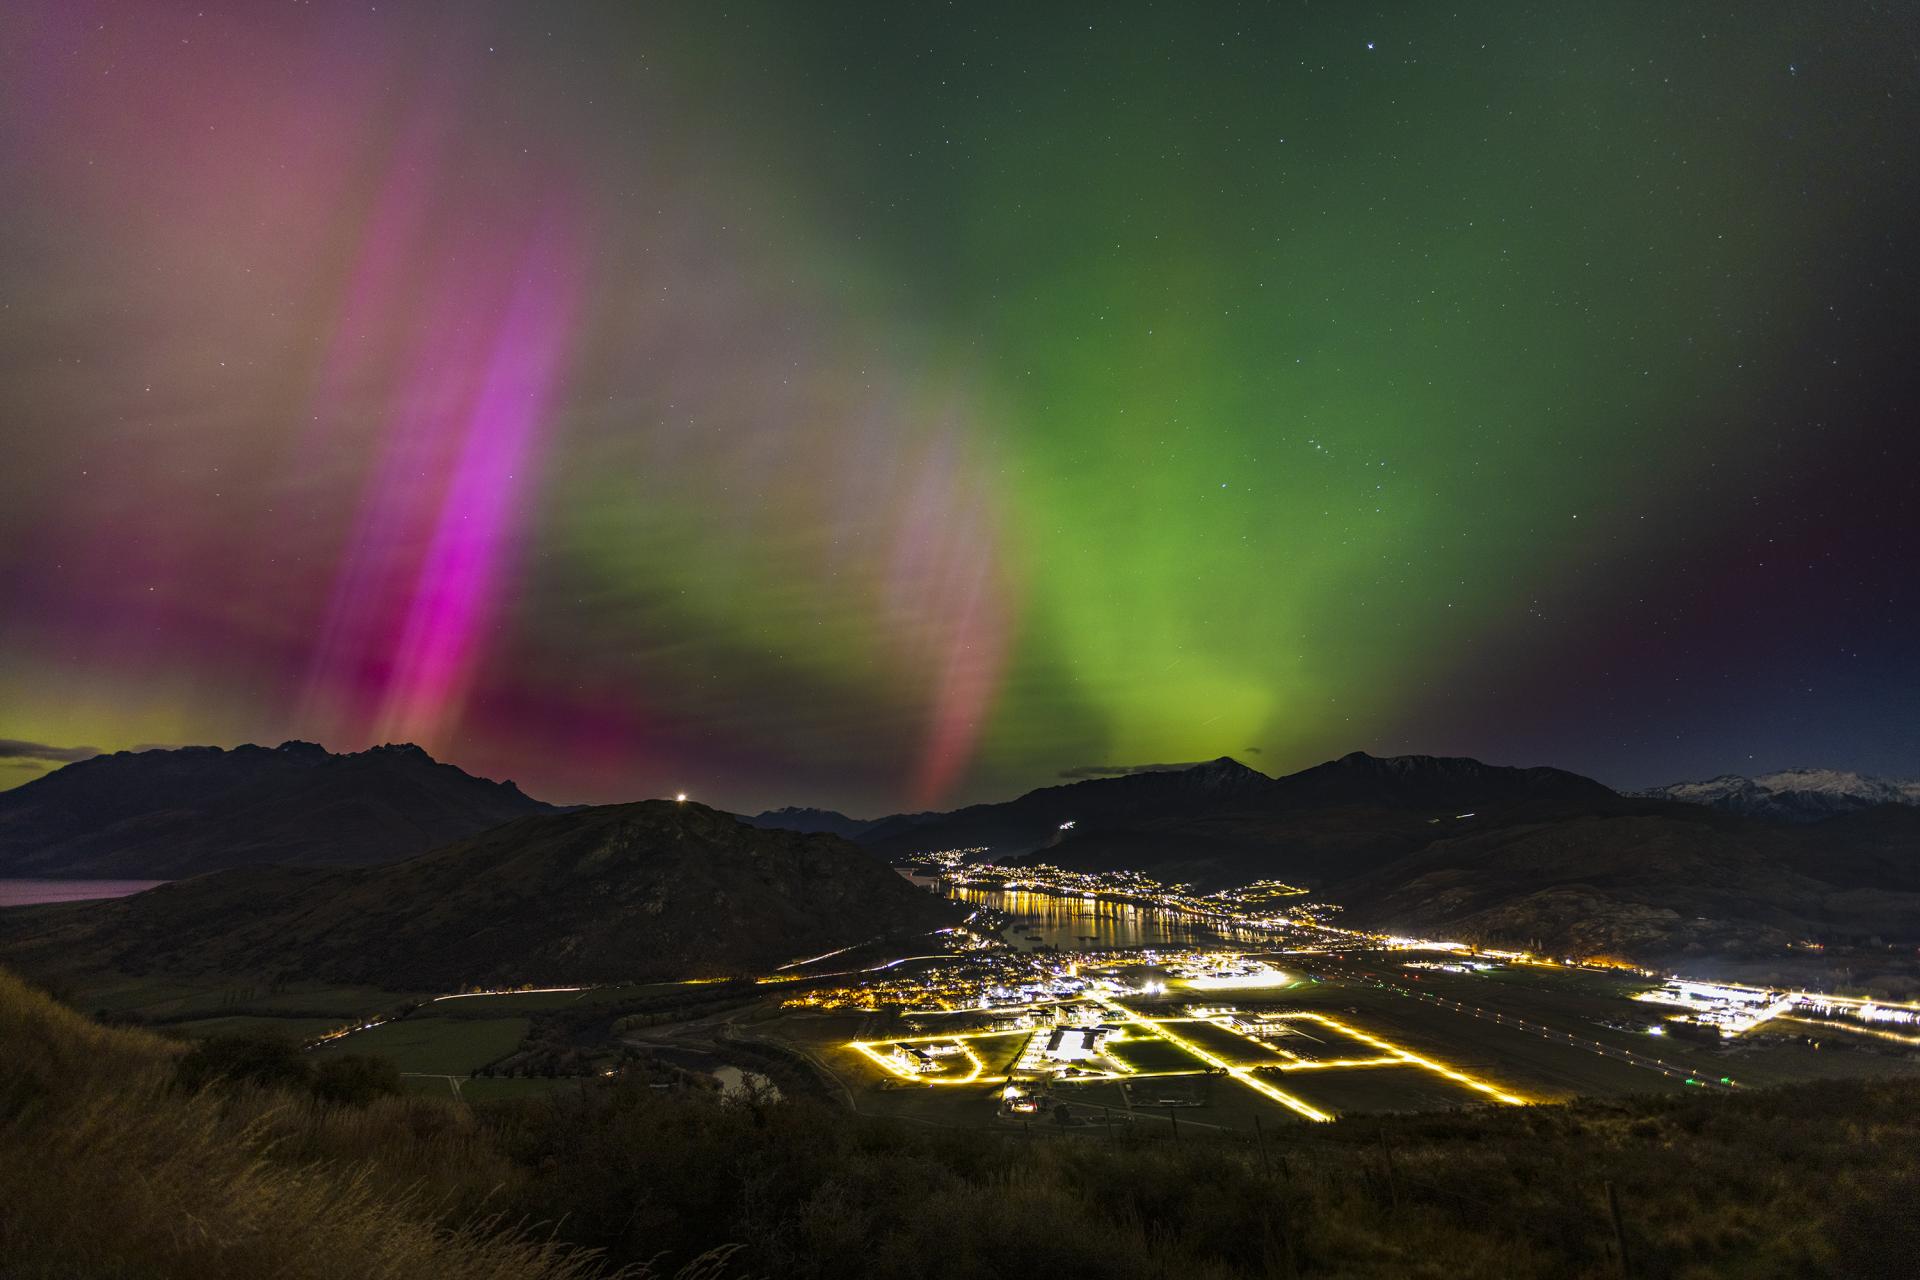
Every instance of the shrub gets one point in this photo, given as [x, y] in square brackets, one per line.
[241, 1059]
[355, 1080]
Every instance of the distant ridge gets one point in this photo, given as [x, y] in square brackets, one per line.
[180, 812]
[796, 818]
[1221, 822]
[1791, 795]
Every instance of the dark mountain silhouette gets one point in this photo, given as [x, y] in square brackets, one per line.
[182, 812]
[1223, 823]
[657, 889]
[1436, 783]
[1034, 821]
[795, 818]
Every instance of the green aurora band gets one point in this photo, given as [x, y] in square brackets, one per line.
[958, 398]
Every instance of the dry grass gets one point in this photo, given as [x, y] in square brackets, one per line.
[107, 1170]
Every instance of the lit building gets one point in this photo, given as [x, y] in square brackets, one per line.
[1076, 1044]
[914, 1059]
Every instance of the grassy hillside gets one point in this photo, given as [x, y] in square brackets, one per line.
[107, 1167]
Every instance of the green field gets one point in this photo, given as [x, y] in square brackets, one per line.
[452, 1046]
[301, 1029]
[1150, 1055]
[1228, 1046]
[174, 999]
[483, 1089]
[1343, 1091]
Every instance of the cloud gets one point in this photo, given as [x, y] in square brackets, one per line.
[1122, 770]
[15, 749]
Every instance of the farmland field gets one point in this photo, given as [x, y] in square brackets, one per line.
[437, 1045]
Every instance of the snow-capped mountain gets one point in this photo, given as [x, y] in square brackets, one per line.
[1793, 795]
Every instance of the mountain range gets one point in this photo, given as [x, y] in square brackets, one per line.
[1436, 846]
[1791, 795]
[796, 818]
[1222, 823]
[658, 889]
[1535, 857]
[170, 813]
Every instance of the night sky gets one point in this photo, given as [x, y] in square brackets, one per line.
[896, 405]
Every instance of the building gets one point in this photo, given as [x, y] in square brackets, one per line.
[913, 1058]
[1076, 1044]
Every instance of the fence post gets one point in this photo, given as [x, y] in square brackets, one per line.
[1175, 1117]
[1260, 1136]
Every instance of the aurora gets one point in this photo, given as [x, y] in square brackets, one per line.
[886, 407]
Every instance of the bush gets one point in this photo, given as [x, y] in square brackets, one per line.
[267, 1061]
[355, 1080]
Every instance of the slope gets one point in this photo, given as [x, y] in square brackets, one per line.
[650, 890]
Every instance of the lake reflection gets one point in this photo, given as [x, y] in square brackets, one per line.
[1090, 924]
[21, 893]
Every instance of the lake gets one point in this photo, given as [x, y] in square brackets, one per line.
[21, 893]
[1095, 924]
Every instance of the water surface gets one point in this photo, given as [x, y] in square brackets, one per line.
[1092, 924]
[21, 893]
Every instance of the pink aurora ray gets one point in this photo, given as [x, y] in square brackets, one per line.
[412, 608]
[950, 611]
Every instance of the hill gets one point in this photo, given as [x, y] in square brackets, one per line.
[657, 889]
[1657, 887]
[172, 813]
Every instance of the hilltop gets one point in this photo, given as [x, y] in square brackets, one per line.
[180, 812]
